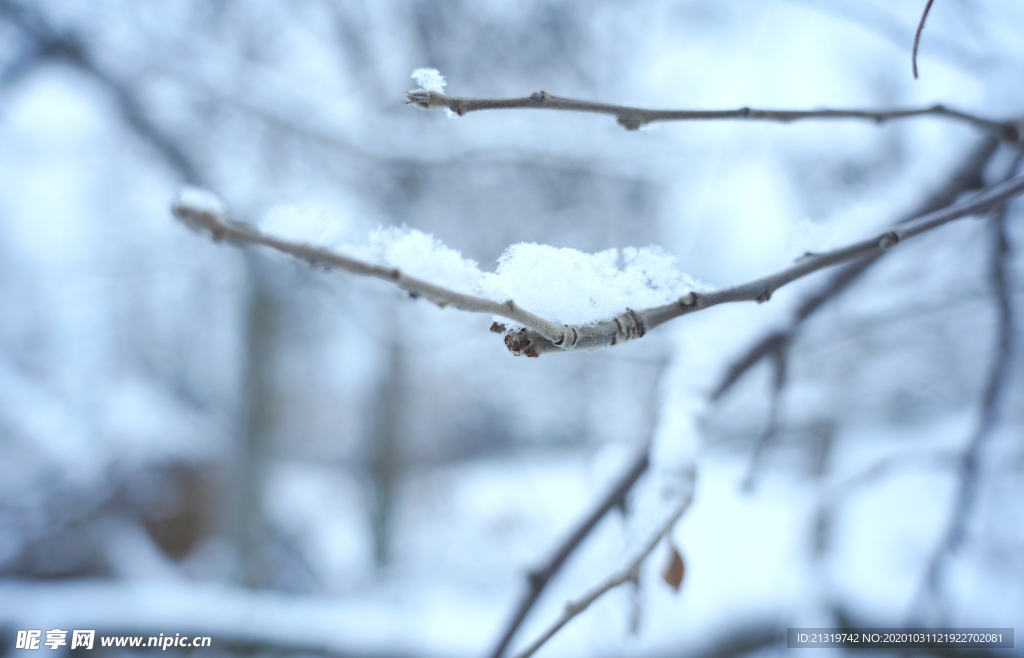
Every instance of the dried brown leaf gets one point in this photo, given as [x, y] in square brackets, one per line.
[675, 570]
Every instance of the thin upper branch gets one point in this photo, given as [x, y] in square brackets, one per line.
[539, 578]
[628, 573]
[632, 118]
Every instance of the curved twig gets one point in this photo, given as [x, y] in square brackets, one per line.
[632, 118]
[917, 36]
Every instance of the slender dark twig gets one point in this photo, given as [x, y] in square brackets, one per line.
[917, 36]
[967, 177]
[632, 118]
[539, 578]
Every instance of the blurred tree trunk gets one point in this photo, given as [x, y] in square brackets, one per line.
[384, 458]
[247, 526]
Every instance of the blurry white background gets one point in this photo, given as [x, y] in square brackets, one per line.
[196, 438]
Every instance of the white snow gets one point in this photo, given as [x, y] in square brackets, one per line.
[429, 79]
[559, 284]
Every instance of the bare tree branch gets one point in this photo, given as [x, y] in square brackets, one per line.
[967, 177]
[539, 335]
[538, 579]
[999, 371]
[917, 36]
[632, 118]
[627, 574]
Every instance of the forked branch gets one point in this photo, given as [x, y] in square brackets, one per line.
[632, 118]
[628, 573]
[539, 578]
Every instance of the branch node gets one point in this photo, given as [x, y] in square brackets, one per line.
[497, 328]
[638, 328]
[689, 299]
[539, 96]
[765, 296]
[536, 578]
[888, 241]
[630, 120]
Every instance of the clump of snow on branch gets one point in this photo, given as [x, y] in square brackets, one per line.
[559, 284]
[573, 287]
[429, 79]
[423, 256]
[432, 80]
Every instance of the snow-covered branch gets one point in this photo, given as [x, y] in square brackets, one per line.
[628, 573]
[632, 118]
[539, 335]
[634, 324]
[210, 220]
